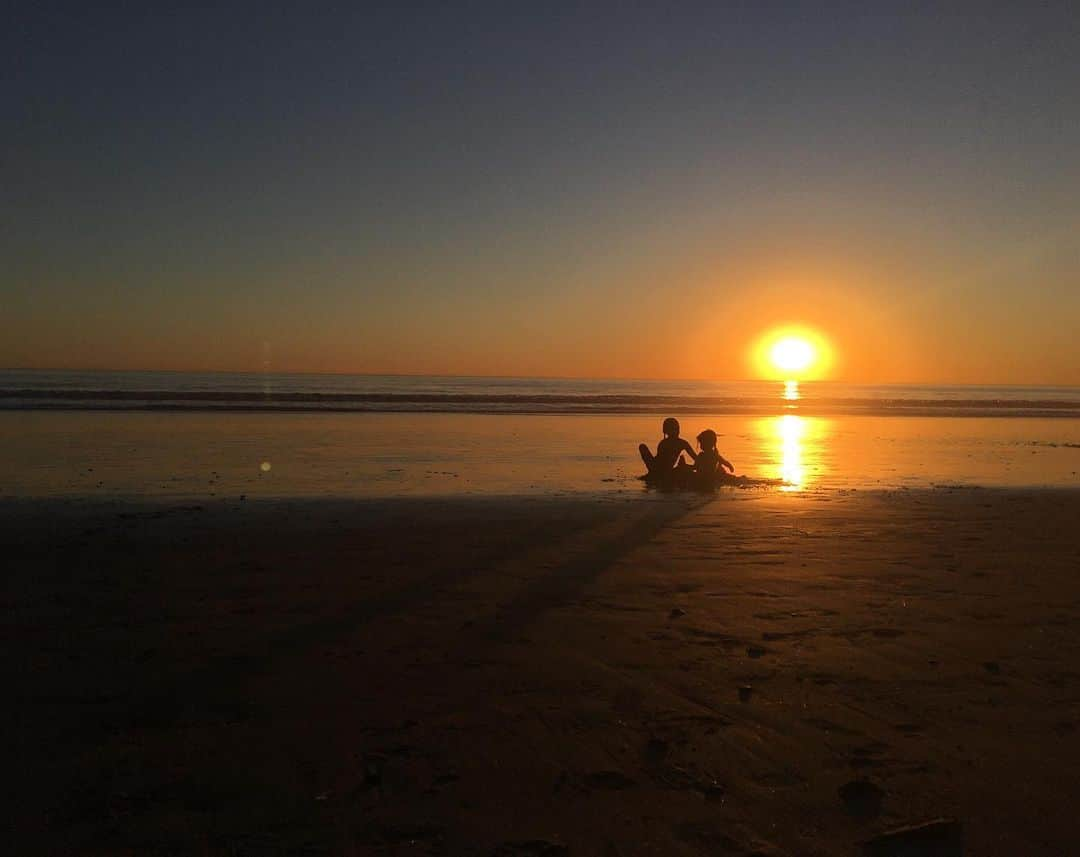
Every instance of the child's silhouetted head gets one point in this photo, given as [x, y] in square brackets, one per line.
[671, 427]
[707, 439]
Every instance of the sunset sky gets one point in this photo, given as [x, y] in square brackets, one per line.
[605, 189]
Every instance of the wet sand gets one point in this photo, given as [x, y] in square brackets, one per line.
[535, 676]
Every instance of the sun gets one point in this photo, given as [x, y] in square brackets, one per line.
[792, 353]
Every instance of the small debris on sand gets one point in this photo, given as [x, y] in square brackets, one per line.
[531, 848]
[942, 837]
[655, 751]
[861, 798]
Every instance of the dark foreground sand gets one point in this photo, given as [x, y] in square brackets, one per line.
[660, 676]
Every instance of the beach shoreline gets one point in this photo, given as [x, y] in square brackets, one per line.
[215, 457]
[629, 674]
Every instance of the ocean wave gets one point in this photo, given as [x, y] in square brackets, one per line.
[551, 403]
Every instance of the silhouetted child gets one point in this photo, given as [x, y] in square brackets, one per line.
[710, 465]
[669, 452]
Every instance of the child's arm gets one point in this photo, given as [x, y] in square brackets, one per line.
[726, 464]
[687, 448]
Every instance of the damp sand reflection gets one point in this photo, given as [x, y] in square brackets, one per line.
[792, 448]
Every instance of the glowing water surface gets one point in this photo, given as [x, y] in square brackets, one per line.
[135, 454]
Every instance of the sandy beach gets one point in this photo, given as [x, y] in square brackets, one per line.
[659, 675]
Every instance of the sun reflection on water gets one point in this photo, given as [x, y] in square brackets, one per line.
[792, 449]
[791, 430]
[791, 391]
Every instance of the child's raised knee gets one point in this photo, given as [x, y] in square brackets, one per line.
[647, 456]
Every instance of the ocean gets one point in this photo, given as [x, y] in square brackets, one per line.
[177, 434]
[40, 389]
